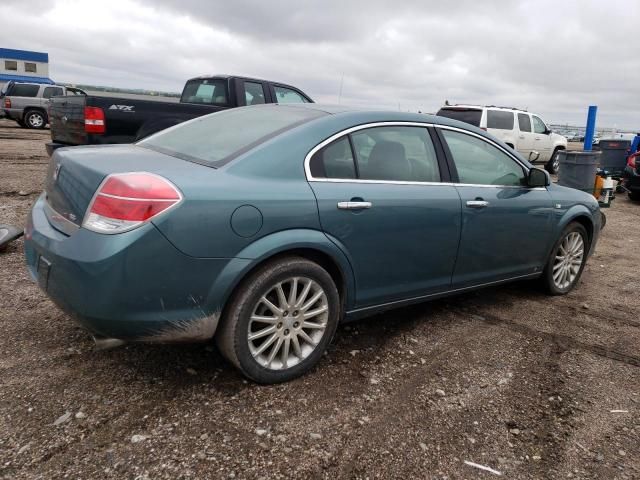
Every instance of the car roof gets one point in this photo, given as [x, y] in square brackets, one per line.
[480, 107]
[224, 76]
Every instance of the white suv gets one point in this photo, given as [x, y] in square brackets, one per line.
[521, 130]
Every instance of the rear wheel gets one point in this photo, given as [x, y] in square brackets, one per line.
[634, 196]
[566, 262]
[553, 165]
[35, 119]
[280, 320]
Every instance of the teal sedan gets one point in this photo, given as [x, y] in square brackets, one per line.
[264, 227]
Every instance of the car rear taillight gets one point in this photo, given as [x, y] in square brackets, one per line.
[125, 201]
[7, 103]
[632, 162]
[483, 128]
[94, 120]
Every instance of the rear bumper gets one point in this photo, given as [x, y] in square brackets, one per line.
[134, 286]
[14, 113]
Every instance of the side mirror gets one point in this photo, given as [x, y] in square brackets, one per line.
[538, 178]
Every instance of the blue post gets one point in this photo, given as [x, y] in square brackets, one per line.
[591, 128]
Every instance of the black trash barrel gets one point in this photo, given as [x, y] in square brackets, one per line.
[614, 156]
[578, 170]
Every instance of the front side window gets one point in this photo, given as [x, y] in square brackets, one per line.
[209, 91]
[51, 92]
[334, 161]
[253, 93]
[11, 65]
[480, 163]
[524, 122]
[396, 154]
[23, 90]
[30, 67]
[286, 95]
[215, 139]
[538, 125]
[500, 119]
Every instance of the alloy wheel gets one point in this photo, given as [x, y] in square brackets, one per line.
[568, 260]
[287, 323]
[35, 120]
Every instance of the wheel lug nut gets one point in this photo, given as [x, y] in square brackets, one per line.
[279, 325]
[296, 325]
[286, 314]
[286, 332]
[295, 314]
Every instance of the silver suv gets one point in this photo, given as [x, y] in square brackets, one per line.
[27, 103]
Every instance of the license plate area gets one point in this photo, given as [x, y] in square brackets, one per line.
[44, 267]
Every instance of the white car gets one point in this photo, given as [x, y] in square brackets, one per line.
[521, 130]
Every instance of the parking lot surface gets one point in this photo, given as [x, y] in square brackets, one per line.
[508, 378]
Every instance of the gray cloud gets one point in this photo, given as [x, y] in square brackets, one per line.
[555, 58]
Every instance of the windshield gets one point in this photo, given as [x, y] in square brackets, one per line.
[215, 139]
[467, 115]
[210, 91]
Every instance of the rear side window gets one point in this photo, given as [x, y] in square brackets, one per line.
[24, 90]
[396, 154]
[524, 122]
[51, 92]
[468, 115]
[334, 161]
[217, 138]
[253, 93]
[500, 119]
[286, 95]
[480, 163]
[209, 91]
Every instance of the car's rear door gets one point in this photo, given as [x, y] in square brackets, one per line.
[506, 226]
[386, 201]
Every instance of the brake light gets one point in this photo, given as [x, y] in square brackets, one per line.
[94, 120]
[631, 161]
[483, 128]
[7, 103]
[125, 201]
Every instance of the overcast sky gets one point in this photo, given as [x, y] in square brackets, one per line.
[552, 57]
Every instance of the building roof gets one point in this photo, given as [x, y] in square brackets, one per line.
[24, 55]
[25, 78]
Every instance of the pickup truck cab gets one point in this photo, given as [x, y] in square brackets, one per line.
[27, 103]
[102, 119]
[523, 131]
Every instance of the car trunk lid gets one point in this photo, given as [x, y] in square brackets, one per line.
[76, 173]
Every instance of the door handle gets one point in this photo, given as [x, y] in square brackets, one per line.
[354, 205]
[521, 137]
[477, 203]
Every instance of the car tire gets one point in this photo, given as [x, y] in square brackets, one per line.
[21, 123]
[267, 340]
[635, 196]
[553, 165]
[35, 119]
[567, 260]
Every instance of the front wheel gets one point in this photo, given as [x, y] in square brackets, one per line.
[280, 320]
[553, 165]
[635, 196]
[566, 262]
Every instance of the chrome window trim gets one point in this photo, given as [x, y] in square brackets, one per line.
[347, 131]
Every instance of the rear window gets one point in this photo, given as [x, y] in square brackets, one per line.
[467, 115]
[500, 119]
[210, 91]
[215, 139]
[23, 90]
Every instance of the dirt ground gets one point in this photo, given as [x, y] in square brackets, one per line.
[529, 385]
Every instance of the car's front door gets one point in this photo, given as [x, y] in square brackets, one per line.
[506, 226]
[381, 198]
[542, 139]
[526, 137]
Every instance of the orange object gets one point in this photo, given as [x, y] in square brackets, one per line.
[597, 187]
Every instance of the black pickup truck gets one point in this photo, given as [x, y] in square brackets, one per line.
[91, 119]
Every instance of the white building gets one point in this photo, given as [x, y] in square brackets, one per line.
[23, 66]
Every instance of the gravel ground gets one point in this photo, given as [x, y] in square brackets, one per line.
[508, 378]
